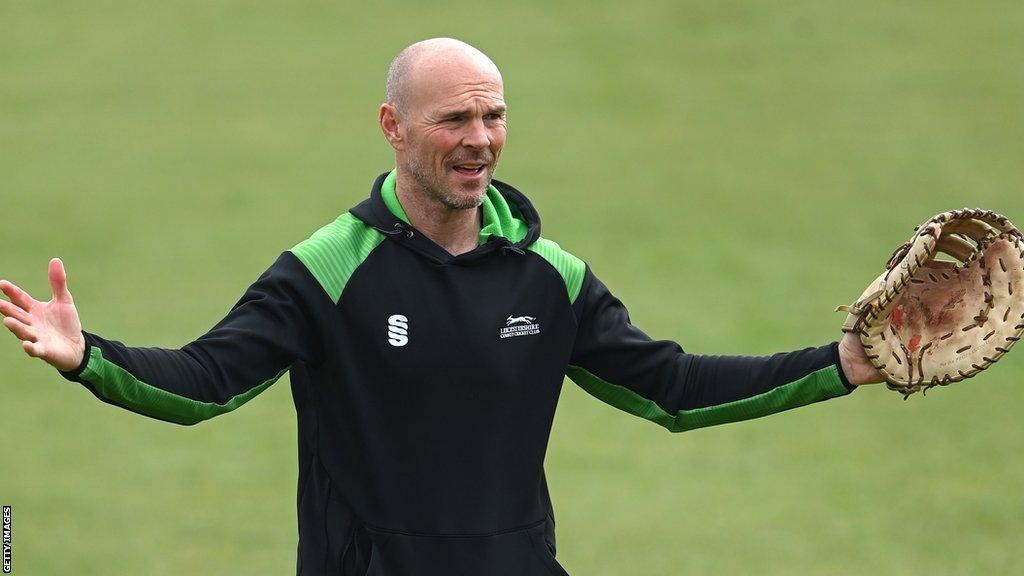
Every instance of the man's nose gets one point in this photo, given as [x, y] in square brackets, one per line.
[476, 135]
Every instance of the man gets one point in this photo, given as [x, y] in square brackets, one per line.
[427, 333]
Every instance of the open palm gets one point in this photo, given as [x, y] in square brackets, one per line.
[49, 330]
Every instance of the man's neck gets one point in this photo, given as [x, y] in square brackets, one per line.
[455, 230]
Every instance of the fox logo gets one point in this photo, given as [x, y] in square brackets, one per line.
[398, 330]
[520, 320]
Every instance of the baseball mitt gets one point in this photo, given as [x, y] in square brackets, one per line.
[929, 321]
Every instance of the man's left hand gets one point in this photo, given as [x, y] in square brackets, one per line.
[855, 364]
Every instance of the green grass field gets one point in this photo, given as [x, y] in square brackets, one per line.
[732, 170]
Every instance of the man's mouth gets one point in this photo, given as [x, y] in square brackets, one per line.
[470, 169]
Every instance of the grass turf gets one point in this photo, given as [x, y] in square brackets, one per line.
[731, 170]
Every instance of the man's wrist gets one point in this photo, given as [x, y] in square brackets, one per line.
[841, 369]
[75, 372]
[854, 363]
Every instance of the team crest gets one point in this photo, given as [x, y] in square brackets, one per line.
[519, 326]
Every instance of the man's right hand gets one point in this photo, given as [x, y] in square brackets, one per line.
[50, 330]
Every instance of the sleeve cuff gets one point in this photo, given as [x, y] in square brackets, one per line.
[75, 374]
[839, 367]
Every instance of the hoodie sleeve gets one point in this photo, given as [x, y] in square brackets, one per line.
[655, 379]
[271, 327]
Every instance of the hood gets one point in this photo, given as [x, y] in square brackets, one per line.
[509, 222]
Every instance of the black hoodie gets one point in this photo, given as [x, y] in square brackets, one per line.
[425, 384]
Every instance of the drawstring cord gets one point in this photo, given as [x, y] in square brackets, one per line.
[507, 246]
[399, 229]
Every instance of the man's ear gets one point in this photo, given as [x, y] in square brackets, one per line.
[389, 125]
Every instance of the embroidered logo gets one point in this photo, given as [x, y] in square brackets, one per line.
[398, 330]
[519, 326]
[520, 319]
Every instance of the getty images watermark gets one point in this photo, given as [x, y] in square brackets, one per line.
[7, 539]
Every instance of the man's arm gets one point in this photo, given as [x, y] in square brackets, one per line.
[655, 379]
[272, 326]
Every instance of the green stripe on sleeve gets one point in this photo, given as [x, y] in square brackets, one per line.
[570, 267]
[333, 252]
[818, 385]
[119, 386]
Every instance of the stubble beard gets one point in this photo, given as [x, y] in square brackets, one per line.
[437, 191]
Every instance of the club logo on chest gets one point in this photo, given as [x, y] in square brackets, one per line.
[398, 330]
[519, 326]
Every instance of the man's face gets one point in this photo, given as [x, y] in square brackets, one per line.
[454, 129]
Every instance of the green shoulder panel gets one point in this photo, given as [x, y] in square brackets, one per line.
[570, 267]
[333, 252]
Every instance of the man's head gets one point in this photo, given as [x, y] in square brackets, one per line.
[445, 117]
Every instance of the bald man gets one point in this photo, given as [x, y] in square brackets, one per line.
[427, 332]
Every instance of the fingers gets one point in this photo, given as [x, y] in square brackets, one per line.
[18, 296]
[8, 309]
[22, 331]
[59, 281]
[33, 349]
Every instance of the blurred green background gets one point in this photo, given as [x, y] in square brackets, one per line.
[732, 170]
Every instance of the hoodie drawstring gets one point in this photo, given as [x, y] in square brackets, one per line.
[507, 246]
[399, 229]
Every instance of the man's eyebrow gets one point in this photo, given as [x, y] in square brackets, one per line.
[456, 112]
